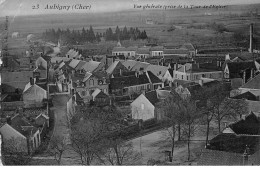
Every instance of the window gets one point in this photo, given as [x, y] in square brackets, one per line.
[181, 76]
[35, 145]
[91, 82]
[83, 93]
[38, 138]
[187, 77]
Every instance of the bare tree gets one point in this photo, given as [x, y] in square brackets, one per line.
[15, 152]
[57, 147]
[173, 109]
[120, 152]
[216, 104]
[191, 120]
[84, 138]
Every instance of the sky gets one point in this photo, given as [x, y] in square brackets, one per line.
[24, 7]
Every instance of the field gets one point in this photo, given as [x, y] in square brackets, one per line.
[233, 18]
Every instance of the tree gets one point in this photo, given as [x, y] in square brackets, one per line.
[218, 105]
[173, 110]
[15, 152]
[84, 138]
[119, 152]
[191, 119]
[57, 147]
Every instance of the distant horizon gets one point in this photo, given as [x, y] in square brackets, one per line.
[24, 7]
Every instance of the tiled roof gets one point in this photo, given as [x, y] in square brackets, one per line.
[253, 83]
[119, 49]
[215, 157]
[127, 81]
[100, 74]
[154, 79]
[101, 94]
[230, 142]
[21, 76]
[90, 66]
[247, 95]
[80, 64]
[236, 68]
[132, 48]
[157, 70]
[156, 48]
[140, 65]
[175, 51]
[129, 64]
[249, 126]
[188, 46]
[152, 97]
[23, 126]
[143, 50]
[112, 67]
[34, 112]
[74, 63]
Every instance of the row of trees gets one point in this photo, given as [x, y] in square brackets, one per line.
[91, 141]
[88, 35]
[187, 115]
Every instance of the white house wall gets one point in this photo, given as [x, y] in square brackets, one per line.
[142, 108]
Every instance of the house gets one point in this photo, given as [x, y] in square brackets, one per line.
[116, 67]
[238, 144]
[15, 80]
[42, 61]
[187, 90]
[176, 52]
[156, 51]
[11, 101]
[100, 98]
[42, 65]
[129, 64]
[161, 72]
[239, 73]
[193, 72]
[143, 53]
[73, 54]
[144, 106]
[91, 66]
[129, 83]
[190, 48]
[73, 63]
[86, 84]
[34, 94]
[127, 52]
[140, 66]
[252, 85]
[20, 133]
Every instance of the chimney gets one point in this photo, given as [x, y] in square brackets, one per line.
[251, 38]
[201, 82]
[227, 57]
[31, 81]
[9, 120]
[137, 74]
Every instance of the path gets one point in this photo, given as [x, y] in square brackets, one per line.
[61, 127]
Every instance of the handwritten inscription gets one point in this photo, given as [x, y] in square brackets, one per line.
[62, 7]
[166, 7]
